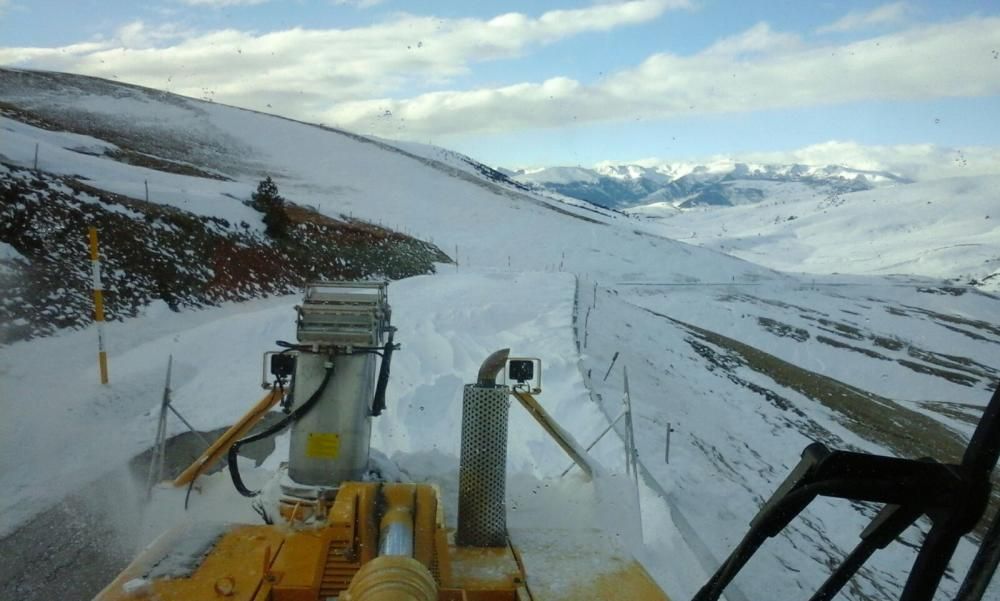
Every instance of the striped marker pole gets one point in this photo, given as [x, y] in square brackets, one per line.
[95, 264]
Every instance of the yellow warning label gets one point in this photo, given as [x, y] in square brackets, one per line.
[323, 445]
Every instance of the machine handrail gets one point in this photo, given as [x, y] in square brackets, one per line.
[953, 496]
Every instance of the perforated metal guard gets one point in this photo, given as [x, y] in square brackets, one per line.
[482, 474]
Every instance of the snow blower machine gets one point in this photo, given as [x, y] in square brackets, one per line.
[338, 532]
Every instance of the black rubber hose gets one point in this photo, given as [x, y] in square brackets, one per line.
[234, 470]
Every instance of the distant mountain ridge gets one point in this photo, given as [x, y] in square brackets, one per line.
[686, 185]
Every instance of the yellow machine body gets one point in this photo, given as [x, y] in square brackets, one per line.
[331, 552]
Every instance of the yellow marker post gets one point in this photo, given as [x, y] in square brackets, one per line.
[95, 264]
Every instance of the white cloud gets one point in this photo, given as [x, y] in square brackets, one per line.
[358, 3]
[9, 6]
[44, 56]
[756, 70]
[348, 77]
[915, 161]
[137, 34]
[301, 72]
[223, 3]
[759, 39]
[883, 15]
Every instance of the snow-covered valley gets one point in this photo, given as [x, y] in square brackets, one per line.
[748, 364]
[944, 229]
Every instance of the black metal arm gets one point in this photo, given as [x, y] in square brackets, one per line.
[953, 496]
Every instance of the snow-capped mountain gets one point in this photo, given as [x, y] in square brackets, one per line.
[687, 185]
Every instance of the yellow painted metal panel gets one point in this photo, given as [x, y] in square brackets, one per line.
[299, 567]
[484, 569]
[323, 445]
[630, 582]
[288, 563]
[235, 569]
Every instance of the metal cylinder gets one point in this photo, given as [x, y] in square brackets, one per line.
[482, 474]
[330, 442]
[396, 529]
[392, 578]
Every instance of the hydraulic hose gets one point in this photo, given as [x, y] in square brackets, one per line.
[298, 412]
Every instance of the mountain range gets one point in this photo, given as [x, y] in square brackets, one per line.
[688, 185]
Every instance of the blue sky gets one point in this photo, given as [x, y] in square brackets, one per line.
[560, 82]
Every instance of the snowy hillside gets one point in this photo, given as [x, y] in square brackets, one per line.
[335, 172]
[946, 229]
[747, 363]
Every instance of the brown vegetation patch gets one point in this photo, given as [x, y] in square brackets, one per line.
[156, 252]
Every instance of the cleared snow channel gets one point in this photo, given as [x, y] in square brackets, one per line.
[73, 429]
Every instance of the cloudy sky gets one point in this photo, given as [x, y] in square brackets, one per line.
[910, 85]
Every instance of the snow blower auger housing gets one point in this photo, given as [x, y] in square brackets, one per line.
[339, 538]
